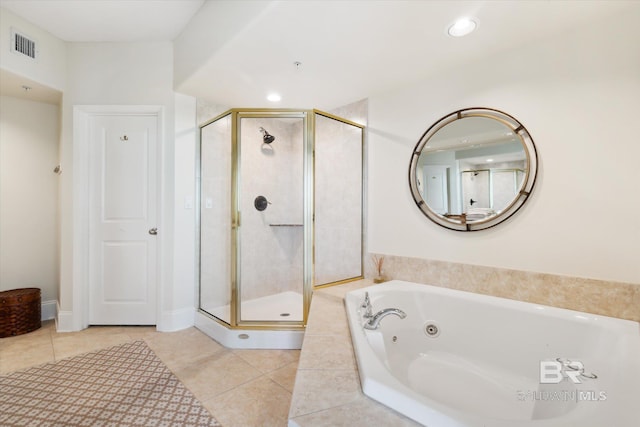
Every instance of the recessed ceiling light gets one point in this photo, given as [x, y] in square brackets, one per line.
[489, 160]
[274, 97]
[462, 27]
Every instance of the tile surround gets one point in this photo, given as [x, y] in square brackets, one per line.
[614, 299]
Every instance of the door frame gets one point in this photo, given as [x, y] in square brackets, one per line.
[82, 115]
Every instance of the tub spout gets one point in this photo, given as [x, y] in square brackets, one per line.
[374, 322]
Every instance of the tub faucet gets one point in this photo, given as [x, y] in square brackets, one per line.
[366, 304]
[374, 322]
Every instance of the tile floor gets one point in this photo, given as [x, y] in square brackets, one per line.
[243, 388]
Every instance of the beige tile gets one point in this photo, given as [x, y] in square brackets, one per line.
[268, 360]
[341, 290]
[607, 298]
[91, 331]
[20, 354]
[71, 344]
[260, 402]
[181, 348]
[327, 352]
[317, 390]
[247, 396]
[142, 332]
[215, 374]
[327, 315]
[285, 376]
[633, 308]
[362, 412]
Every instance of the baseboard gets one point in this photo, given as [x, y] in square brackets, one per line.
[170, 320]
[176, 320]
[64, 320]
[49, 310]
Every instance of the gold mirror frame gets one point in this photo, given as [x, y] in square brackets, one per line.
[459, 222]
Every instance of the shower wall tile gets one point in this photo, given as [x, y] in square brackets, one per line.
[338, 196]
[206, 110]
[271, 253]
[614, 299]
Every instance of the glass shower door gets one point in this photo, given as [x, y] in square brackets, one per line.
[215, 218]
[271, 208]
[338, 200]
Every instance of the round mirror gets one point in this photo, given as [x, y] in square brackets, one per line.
[473, 169]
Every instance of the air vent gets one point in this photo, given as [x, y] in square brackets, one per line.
[23, 44]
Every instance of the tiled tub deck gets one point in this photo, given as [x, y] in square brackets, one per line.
[327, 389]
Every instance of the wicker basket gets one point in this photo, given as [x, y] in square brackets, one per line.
[19, 311]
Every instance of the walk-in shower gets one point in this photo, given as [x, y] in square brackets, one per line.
[275, 220]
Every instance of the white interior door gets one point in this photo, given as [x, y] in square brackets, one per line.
[436, 188]
[123, 217]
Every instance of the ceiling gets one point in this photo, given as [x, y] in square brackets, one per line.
[348, 49]
[107, 20]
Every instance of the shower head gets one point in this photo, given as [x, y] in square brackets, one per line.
[266, 137]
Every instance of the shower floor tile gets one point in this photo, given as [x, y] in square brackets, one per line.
[285, 306]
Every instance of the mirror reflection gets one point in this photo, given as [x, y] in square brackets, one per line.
[471, 168]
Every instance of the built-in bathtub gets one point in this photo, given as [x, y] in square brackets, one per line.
[464, 359]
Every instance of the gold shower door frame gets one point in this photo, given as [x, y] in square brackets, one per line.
[309, 128]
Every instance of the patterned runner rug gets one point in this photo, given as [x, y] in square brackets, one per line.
[125, 385]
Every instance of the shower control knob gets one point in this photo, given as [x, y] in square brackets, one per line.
[261, 203]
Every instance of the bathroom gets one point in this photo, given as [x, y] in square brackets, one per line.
[574, 244]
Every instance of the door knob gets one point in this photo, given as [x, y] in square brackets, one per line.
[153, 231]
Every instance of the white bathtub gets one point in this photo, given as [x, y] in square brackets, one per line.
[483, 366]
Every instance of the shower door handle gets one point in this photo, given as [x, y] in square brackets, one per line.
[153, 231]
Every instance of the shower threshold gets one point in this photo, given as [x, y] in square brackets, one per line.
[284, 306]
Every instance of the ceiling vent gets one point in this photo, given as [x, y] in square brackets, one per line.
[23, 44]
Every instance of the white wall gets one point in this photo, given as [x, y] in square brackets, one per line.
[29, 134]
[115, 74]
[184, 292]
[48, 68]
[210, 29]
[579, 97]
